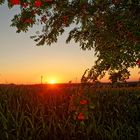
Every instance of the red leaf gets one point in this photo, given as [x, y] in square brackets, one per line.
[84, 102]
[81, 116]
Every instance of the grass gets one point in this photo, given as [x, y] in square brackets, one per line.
[43, 112]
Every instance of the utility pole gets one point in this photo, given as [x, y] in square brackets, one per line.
[41, 79]
[75, 79]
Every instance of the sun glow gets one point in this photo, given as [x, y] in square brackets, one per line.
[52, 81]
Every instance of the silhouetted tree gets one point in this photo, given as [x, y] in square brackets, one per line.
[110, 27]
[120, 76]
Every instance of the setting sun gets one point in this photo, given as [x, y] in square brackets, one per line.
[52, 81]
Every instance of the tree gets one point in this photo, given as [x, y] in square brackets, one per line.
[120, 76]
[110, 27]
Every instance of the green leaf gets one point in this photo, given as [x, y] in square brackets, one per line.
[91, 106]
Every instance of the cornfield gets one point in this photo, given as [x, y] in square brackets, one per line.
[44, 112]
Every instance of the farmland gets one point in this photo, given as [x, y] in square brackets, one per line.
[50, 112]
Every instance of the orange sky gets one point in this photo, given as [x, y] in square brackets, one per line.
[22, 62]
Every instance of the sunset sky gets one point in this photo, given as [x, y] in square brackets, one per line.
[22, 62]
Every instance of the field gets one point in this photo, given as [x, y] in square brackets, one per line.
[50, 112]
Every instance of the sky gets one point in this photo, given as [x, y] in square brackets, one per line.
[22, 62]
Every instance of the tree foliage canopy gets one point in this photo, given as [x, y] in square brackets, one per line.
[110, 27]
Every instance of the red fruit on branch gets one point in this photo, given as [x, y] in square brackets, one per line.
[33, 12]
[37, 3]
[28, 21]
[65, 19]
[98, 22]
[22, 20]
[24, 5]
[138, 62]
[15, 2]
